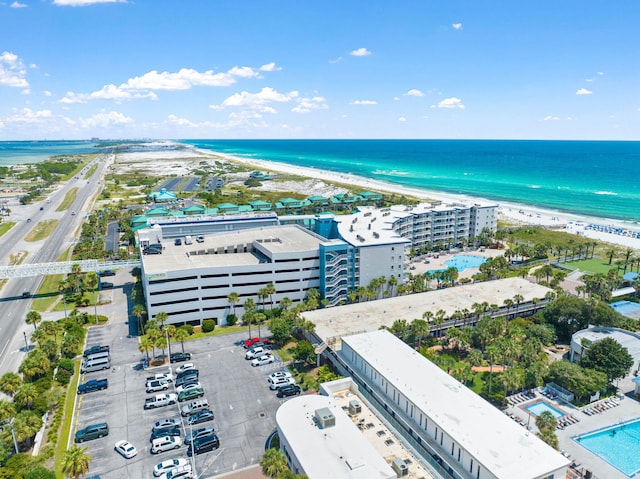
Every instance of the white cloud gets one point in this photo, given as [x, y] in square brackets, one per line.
[551, 118]
[105, 120]
[26, 91]
[402, 119]
[414, 92]
[584, 91]
[395, 98]
[176, 121]
[18, 5]
[600, 73]
[27, 116]
[82, 3]
[47, 93]
[589, 80]
[243, 72]
[256, 101]
[337, 60]
[360, 52]
[12, 71]
[363, 102]
[457, 26]
[452, 102]
[270, 67]
[305, 105]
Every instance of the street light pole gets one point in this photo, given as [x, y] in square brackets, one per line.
[166, 332]
[13, 435]
[26, 344]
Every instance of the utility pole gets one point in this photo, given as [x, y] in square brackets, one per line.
[26, 344]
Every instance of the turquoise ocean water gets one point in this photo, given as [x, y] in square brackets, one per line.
[595, 178]
[20, 152]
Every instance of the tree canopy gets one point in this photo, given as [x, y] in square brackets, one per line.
[608, 356]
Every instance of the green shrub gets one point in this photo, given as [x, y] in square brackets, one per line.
[208, 325]
[40, 473]
[66, 363]
[63, 376]
[232, 319]
[188, 328]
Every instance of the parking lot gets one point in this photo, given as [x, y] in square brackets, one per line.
[237, 393]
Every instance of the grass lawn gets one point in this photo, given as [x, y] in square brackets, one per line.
[41, 231]
[91, 171]
[69, 198]
[595, 265]
[65, 431]
[4, 227]
[216, 332]
[48, 294]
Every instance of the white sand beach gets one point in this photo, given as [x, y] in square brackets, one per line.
[173, 162]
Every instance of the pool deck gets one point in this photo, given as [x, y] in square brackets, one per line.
[418, 266]
[628, 408]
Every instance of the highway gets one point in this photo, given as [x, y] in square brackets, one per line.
[13, 307]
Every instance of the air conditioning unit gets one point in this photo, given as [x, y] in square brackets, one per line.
[400, 467]
[325, 418]
[354, 407]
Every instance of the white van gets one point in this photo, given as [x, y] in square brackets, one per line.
[95, 356]
[188, 240]
[91, 365]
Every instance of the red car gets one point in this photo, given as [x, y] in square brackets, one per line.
[250, 342]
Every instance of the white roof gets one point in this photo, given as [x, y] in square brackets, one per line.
[336, 452]
[503, 447]
[627, 339]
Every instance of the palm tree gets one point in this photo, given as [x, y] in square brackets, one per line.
[7, 410]
[26, 426]
[76, 462]
[138, 311]
[274, 464]
[233, 298]
[262, 295]
[145, 345]
[249, 306]
[420, 329]
[393, 282]
[270, 289]
[62, 289]
[285, 303]
[181, 335]
[517, 299]
[9, 383]
[508, 303]
[26, 395]
[76, 271]
[91, 282]
[33, 317]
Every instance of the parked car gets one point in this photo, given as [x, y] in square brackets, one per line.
[151, 251]
[160, 400]
[165, 443]
[178, 242]
[185, 367]
[198, 433]
[167, 424]
[262, 360]
[126, 449]
[194, 407]
[94, 431]
[250, 342]
[190, 394]
[205, 415]
[164, 432]
[188, 377]
[281, 374]
[93, 385]
[156, 385]
[168, 376]
[200, 239]
[288, 390]
[203, 444]
[106, 285]
[188, 386]
[180, 357]
[275, 383]
[106, 273]
[254, 352]
[95, 350]
[169, 465]
[183, 472]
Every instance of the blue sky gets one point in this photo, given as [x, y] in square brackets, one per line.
[74, 69]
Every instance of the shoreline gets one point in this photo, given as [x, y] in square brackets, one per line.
[517, 213]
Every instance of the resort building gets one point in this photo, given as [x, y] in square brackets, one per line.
[192, 282]
[320, 440]
[583, 339]
[162, 196]
[424, 224]
[447, 423]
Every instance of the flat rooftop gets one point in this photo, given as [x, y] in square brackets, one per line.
[210, 253]
[627, 339]
[502, 446]
[370, 315]
[335, 452]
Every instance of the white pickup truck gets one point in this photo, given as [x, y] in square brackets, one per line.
[161, 377]
[160, 400]
[156, 385]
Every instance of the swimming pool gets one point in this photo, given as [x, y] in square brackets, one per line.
[465, 261]
[625, 307]
[539, 407]
[616, 444]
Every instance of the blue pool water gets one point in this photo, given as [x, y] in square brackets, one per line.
[542, 406]
[625, 307]
[619, 445]
[465, 261]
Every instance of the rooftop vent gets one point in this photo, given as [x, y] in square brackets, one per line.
[400, 467]
[325, 418]
[354, 407]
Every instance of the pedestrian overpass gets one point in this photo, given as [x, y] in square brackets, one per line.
[63, 267]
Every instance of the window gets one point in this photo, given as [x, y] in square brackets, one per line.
[471, 466]
[155, 293]
[161, 281]
[166, 303]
